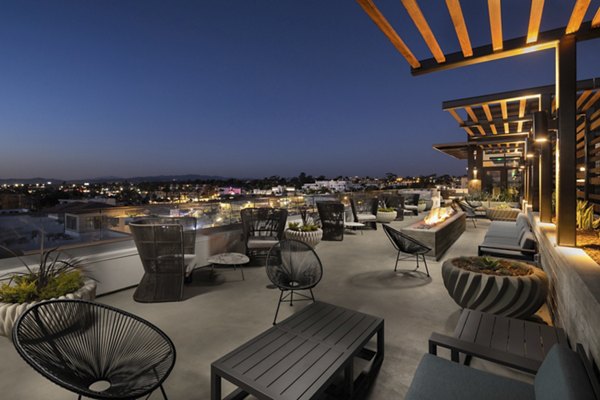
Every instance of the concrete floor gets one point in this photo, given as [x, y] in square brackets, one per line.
[219, 315]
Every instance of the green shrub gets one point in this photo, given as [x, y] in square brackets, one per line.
[385, 209]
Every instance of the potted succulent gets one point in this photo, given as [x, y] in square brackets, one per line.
[499, 286]
[308, 233]
[386, 214]
[54, 278]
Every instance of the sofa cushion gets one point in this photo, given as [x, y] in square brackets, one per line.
[262, 242]
[522, 222]
[562, 375]
[440, 379]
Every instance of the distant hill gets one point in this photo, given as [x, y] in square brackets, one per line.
[157, 178]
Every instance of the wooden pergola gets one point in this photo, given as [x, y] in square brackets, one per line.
[509, 116]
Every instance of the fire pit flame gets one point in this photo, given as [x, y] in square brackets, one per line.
[437, 215]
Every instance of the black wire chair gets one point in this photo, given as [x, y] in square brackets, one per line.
[331, 214]
[291, 266]
[469, 211]
[161, 249]
[407, 245]
[262, 228]
[365, 212]
[94, 350]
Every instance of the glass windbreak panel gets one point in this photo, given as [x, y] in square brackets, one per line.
[24, 233]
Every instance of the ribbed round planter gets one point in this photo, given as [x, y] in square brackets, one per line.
[512, 296]
[310, 238]
[9, 312]
[386, 216]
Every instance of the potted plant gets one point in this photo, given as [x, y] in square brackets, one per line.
[499, 286]
[308, 233]
[386, 214]
[54, 278]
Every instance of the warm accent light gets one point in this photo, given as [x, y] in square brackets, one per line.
[540, 126]
[582, 169]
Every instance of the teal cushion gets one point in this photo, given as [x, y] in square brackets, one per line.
[439, 379]
[562, 376]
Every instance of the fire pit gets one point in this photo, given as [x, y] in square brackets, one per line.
[439, 230]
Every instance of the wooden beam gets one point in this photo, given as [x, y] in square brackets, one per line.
[488, 115]
[458, 20]
[511, 48]
[522, 104]
[469, 131]
[416, 15]
[511, 119]
[596, 20]
[591, 101]
[471, 114]
[372, 11]
[577, 16]
[535, 18]
[582, 97]
[455, 115]
[504, 115]
[495, 12]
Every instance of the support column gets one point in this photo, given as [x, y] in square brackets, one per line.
[535, 184]
[566, 196]
[586, 159]
[541, 123]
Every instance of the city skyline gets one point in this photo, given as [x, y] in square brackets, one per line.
[236, 89]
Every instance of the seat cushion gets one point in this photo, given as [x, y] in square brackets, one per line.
[527, 241]
[439, 379]
[262, 242]
[562, 375]
[366, 217]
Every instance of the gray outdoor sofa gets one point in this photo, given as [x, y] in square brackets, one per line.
[563, 375]
[510, 240]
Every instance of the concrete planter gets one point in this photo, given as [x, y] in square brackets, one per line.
[310, 238]
[9, 312]
[512, 296]
[386, 216]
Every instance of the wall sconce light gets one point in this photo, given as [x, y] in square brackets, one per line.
[582, 169]
[475, 173]
[540, 126]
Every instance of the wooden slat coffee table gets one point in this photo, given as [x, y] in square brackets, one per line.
[509, 341]
[301, 356]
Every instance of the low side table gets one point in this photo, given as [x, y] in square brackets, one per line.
[233, 259]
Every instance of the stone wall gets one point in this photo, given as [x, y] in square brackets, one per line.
[574, 298]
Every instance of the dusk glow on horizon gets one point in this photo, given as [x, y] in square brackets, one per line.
[242, 89]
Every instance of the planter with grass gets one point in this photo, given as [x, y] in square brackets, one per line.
[54, 278]
[386, 215]
[499, 286]
[308, 233]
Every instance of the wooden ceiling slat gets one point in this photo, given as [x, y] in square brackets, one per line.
[591, 101]
[504, 115]
[577, 16]
[481, 131]
[372, 11]
[488, 115]
[595, 115]
[595, 125]
[582, 97]
[471, 114]
[469, 131]
[495, 12]
[522, 104]
[596, 20]
[458, 20]
[535, 18]
[456, 116]
[416, 15]
[581, 127]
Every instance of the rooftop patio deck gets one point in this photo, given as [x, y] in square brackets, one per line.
[221, 314]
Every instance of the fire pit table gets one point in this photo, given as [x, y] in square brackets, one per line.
[439, 236]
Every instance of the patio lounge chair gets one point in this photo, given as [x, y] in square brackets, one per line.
[161, 249]
[369, 216]
[292, 266]
[94, 350]
[470, 212]
[404, 244]
[262, 228]
[331, 215]
[564, 375]
[510, 240]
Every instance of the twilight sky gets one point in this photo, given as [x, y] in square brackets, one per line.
[242, 88]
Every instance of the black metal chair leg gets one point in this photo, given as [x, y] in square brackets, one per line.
[277, 311]
[397, 259]
[425, 262]
[417, 262]
[291, 298]
[163, 392]
[312, 295]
